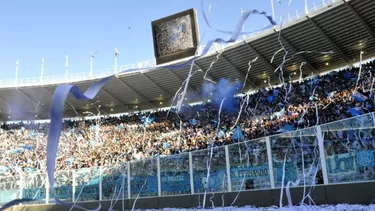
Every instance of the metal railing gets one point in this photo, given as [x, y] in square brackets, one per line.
[337, 152]
[46, 80]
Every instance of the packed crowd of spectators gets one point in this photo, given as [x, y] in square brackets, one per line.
[113, 140]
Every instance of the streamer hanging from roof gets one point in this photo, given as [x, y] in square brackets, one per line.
[250, 12]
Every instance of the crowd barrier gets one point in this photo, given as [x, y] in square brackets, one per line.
[338, 152]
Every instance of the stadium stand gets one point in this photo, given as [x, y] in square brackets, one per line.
[114, 140]
[151, 154]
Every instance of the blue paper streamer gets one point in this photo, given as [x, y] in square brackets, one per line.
[255, 12]
[61, 93]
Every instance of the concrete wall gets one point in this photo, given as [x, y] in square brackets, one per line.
[353, 193]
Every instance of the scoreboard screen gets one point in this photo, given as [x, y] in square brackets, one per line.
[175, 37]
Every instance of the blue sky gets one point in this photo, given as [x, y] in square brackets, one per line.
[30, 30]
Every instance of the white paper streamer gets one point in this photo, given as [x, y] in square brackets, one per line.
[247, 97]
[239, 114]
[113, 198]
[135, 201]
[300, 72]
[282, 182]
[122, 188]
[212, 63]
[218, 122]
[281, 66]
[79, 194]
[182, 96]
[360, 71]
[288, 195]
[317, 113]
[211, 200]
[224, 190]
[238, 194]
[300, 52]
[209, 161]
[247, 73]
[303, 167]
[269, 82]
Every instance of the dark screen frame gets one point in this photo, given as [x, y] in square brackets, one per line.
[181, 54]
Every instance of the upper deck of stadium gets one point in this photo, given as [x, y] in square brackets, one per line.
[345, 27]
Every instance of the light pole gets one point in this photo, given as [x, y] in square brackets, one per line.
[16, 79]
[92, 63]
[243, 26]
[273, 10]
[66, 68]
[117, 53]
[42, 70]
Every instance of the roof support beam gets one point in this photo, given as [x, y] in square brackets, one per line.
[204, 72]
[113, 97]
[137, 93]
[167, 93]
[6, 102]
[182, 81]
[99, 109]
[238, 71]
[232, 66]
[93, 112]
[67, 103]
[35, 103]
[260, 57]
[9, 111]
[330, 41]
[300, 56]
[372, 32]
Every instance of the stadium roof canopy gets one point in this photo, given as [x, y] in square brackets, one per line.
[344, 27]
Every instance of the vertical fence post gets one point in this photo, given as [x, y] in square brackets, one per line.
[129, 180]
[100, 183]
[47, 189]
[323, 162]
[21, 186]
[227, 162]
[270, 162]
[123, 192]
[159, 176]
[191, 173]
[74, 182]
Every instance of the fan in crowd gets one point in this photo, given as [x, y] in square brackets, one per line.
[114, 140]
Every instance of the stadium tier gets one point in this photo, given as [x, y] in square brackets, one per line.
[253, 129]
[114, 140]
[94, 157]
[345, 28]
